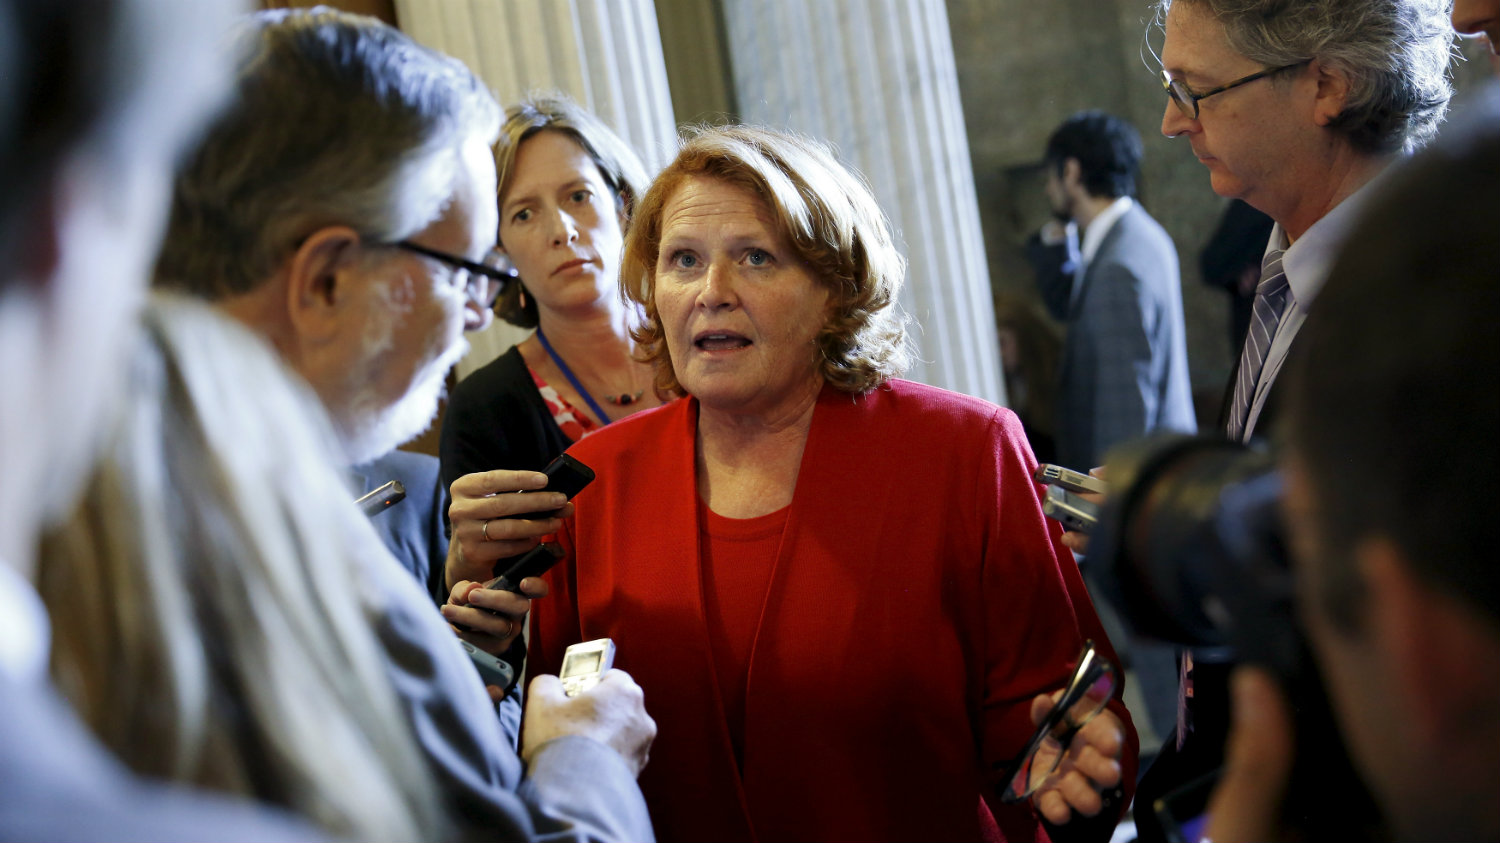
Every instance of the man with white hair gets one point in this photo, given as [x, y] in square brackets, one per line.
[97, 98]
[344, 208]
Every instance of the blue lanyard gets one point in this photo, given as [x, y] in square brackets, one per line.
[572, 378]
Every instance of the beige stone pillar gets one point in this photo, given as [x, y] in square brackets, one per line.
[877, 79]
[606, 54]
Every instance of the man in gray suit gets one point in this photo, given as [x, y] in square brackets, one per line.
[344, 208]
[1124, 365]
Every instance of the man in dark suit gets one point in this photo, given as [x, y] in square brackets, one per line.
[1124, 364]
[1300, 126]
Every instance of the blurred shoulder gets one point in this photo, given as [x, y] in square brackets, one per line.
[409, 467]
[1138, 224]
[909, 398]
[908, 402]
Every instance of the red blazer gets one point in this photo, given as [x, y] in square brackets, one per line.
[918, 602]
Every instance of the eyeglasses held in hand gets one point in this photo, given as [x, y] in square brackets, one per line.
[1088, 690]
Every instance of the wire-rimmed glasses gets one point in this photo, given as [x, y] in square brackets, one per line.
[1186, 99]
[484, 281]
[1088, 691]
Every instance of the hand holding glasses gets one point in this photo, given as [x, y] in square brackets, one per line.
[1050, 755]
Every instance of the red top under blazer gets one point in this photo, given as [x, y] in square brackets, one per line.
[918, 602]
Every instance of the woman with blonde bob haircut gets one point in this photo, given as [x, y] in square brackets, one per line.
[567, 187]
[838, 584]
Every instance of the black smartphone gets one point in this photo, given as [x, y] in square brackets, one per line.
[380, 499]
[564, 474]
[532, 563]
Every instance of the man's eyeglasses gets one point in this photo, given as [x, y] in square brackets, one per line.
[1187, 100]
[1088, 690]
[484, 281]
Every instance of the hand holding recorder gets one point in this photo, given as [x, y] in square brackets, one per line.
[1073, 498]
[592, 701]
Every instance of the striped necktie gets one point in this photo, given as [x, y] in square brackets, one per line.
[1270, 301]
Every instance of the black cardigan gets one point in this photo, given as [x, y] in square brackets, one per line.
[497, 419]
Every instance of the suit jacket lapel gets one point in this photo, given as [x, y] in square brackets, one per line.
[1106, 246]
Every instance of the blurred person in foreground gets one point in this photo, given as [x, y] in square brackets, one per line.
[1396, 578]
[342, 209]
[97, 100]
[212, 593]
[850, 604]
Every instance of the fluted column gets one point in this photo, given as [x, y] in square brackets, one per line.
[877, 79]
[606, 54]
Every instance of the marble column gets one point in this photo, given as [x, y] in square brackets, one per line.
[877, 79]
[606, 54]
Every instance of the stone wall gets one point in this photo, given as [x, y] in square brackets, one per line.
[1023, 67]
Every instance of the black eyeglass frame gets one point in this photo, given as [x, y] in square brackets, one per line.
[1186, 99]
[1091, 666]
[500, 276]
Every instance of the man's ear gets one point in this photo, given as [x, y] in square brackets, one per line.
[1332, 92]
[319, 287]
[1072, 174]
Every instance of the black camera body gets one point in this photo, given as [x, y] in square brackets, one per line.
[1192, 551]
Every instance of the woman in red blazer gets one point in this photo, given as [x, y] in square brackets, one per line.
[836, 588]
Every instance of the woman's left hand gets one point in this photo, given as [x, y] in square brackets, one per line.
[491, 619]
[1090, 766]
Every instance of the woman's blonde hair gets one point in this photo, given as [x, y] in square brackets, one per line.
[207, 595]
[621, 168]
[831, 220]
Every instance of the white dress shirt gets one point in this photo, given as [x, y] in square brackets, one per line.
[1306, 263]
[1093, 238]
[25, 635]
